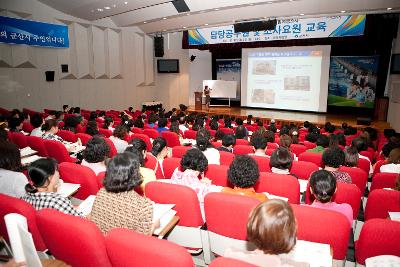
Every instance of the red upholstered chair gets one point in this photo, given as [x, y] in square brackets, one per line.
[311, 157]
[380, 202]
[150, 161]
[179, 151]
[303, 169]
[223, 262]
[378, 165]
[364, 165]
[27, 126]
[67, 135]
[19, 139]
[384, 180]
[187, 233]
[226, 217]
[145, 138]
[37, 143]
[171, 138]
[298, 149]
[216, 144]
[15, 205]
[169, 166]
[227, 130]
[136, 130]
[272, 146]
[242, 142]
[80, 129]
[378, 237]
[269, 152]
[113, 150]
[345, 193]
[321, 228]
[78, 174]
[218, 174]
[242, 150]
[280, 185]
[128, 248]
[368, 154]
[358, 177]
[190, 134]
[262, 162]
[100, 177]
[152, 133]
[226, 158]
[58, 151]
[84, 138]
[309, 145]
[105, 132]
[76, 241]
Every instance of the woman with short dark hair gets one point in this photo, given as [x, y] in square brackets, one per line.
[160, 152]
[203, 143]
[37, 122]
[92, 128]
[333, 158]
[118, 138]
[117, 205]
[95, 154]
[50, 128]
[281, 161]
[241, 132]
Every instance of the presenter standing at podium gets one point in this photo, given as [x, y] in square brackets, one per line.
[207, 92]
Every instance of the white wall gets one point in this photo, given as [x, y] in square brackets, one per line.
[200, 69]
[109, 67]
[394, 108]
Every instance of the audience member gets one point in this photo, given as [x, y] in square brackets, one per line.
[393, 165]
[333, 158]
[259, 143]
[351, 157]
[71, 123]
[228, 141]
[95, 154]
[322, 143]
[92, 128]
[162, 125]
[15, 124]
[50, 128]
[219, 135]
[118, 138]
[281, 161]
[108, 123]
[241, 132]
[37, 122]
[203, 143]
[160, 152]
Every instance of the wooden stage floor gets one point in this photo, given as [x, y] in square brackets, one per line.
[291, 116]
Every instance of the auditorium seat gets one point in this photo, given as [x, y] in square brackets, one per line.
[223, 262]
[282, 185]
[145, 138]
[137, 130]
[190, 134]
[216, 144]
[227, 130]
[309, 145]
[218, 174]
[27, 127]
[84, 138]
[169, 166]
[179, 151]
[226, 158]
[323, 226]
[15, 205]
[368, 154]
[105, 132]
[19, 139]
[113, 150]
[272, 146]
[37, 143]
[303, 169]
[381, 202]
[298, 149]
[58, 151]
[242, 142]
[358, 177]
[171, 138]
[378, 237]
[76, 241]
[384, 180]
[67, 136]
[152, 133]
[243, 150]
[78, 174]
[311, 157]
[262, 162]
[128, 248]
[378, 165]
[364, 165]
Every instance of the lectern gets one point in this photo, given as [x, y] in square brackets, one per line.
[197, 100]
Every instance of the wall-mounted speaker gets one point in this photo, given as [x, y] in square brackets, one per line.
[254, 26]
[64, 68]
[363, 121]
[49, 76]
[159, 46]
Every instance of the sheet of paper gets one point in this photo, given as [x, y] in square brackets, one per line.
[86, 206]
[160, 210]
[303, 185]
[27, 151]
[316, 254]
[28, 160]
[164, 221]
[67, 189]
[271, 196]
[394, 216]
[383, 261]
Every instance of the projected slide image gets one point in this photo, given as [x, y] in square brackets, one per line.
[265, 96]
[300, 83]
[264, 67]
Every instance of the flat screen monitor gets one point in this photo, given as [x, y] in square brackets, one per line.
[168, 66]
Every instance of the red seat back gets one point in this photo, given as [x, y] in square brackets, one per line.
[280, 185]
[223, 262]
[226, 158]
[242, 142]
[150, 161]
[27, 126]
[368, 154]
[19, 139]
[84, 138]
[190, 134]
[67, 136]
[76, 241]
[218, 174]
[37, 143]
[78, 174]
[262, 162]
[243, 150]
[358, 177]
[145, 138]
[303, 169]
[58, 151]
[107, 133]
[171, 138]
[378, 237]
[378, 165]
[185, 199]
[227, 130]
[381, 202]
[309, 145]
[225, 220]
[14, 205]
[384, 180]
[364, 165]
[298, 149]
[153, 134]
[113, 150]
[315, 158]
[179, 151]
[136, 130]
[320, 230]
[169, 166]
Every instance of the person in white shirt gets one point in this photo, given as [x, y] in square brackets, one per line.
[12, 182]
[281, 161]
[118, 137]
[393, 165]
[361, 145]
[37, 122]
[259, 143]
[203, 143]
[182, 125]
[95, 154]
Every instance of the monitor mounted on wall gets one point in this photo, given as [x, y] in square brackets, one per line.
[168, 65]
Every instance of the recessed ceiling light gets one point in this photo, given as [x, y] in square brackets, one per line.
[164, 30]
[264, 17]
[301, 14]
[107, 7]
[206, 24]
[184, 27]
[251, 4]
[291, 0]
[216, 9]
[164, 18]
[343, 11]
[100, 9]
[269, 2]
[125, 3]
[144, 22]
[389, 8]
[188, 14]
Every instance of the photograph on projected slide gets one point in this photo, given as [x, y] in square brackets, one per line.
[298, 83]
[264, 67]
[265, 96]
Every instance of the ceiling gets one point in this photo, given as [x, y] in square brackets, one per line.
[154, 16]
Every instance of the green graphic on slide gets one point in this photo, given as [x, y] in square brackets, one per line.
[345, 102]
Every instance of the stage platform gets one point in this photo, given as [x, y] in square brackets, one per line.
[296, 117]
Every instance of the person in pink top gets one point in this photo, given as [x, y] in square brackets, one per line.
[323, 187]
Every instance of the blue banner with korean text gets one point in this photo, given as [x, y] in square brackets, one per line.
[20, 31]
[286, 29]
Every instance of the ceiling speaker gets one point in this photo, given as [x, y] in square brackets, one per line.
[254, 26]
